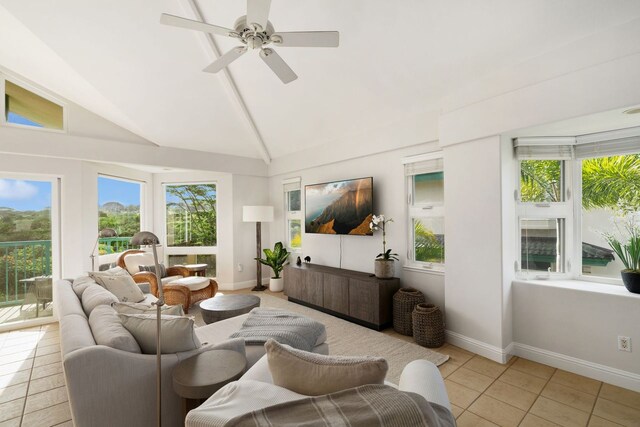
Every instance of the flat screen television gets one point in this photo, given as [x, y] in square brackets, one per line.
[339, 207]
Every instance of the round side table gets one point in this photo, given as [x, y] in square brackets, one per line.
[222, 307]
[197, 269]
[197, 378]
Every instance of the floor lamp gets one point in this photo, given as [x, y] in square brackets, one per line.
[258, 214]
[105, 232]
[147, 238]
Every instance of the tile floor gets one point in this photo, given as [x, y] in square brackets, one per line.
[482, 392]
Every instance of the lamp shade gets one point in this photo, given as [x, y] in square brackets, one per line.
[257, 213]
[143, 238]
[107, 232]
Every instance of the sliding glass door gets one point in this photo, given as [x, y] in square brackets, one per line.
[28, 248]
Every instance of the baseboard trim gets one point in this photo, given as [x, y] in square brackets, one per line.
[497, 354]
[234, 286]
[618, 377]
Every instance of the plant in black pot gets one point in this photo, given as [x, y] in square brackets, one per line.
[627, 248]
[276, 259]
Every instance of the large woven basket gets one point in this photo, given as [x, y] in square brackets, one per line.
[428, 325]
[404, 301]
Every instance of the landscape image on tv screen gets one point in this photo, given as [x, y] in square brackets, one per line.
[341, 207]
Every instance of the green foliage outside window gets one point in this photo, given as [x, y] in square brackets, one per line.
[191, 215]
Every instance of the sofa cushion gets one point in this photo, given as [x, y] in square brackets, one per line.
[120, 283]
[237, 398]
[107, 330]
[80, 284]
[75, 333]
[142, 308]
[169, 279]
[134, 261]
[94, 296]
[194, 283]
[177, 332]
[314, 374]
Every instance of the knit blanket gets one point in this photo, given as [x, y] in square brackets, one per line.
[365, 406]
[283, 326]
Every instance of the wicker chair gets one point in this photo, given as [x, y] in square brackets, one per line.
[179, 290]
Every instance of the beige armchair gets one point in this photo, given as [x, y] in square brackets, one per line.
[179, 286]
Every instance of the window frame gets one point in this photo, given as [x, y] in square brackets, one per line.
[421, 210]
[582, 147]
[289, 215]
[550, 211]
[41, 93]
[187, 250]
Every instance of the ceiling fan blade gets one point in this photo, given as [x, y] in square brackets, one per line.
[278, 66]
[258, 12]
[177, 21]
[226, 59]
[307, 39]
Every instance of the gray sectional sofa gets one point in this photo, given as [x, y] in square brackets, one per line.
[111, 387]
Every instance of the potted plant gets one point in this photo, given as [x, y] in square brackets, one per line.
[627, 248]
[384, 261]
[276, 259]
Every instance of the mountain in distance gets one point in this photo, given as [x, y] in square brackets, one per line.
[345, 215]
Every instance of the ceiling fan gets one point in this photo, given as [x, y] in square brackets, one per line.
[255, 31]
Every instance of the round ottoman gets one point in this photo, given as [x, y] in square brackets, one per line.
[222, 307]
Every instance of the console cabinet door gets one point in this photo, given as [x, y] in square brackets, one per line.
[293, 282]
[363, 300]
[312, 288]
[336, 293]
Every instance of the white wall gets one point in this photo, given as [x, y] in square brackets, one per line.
[473, 252]
[389, 197]
[575, 326]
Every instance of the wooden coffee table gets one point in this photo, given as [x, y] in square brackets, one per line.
[197, 378]
[222, 307]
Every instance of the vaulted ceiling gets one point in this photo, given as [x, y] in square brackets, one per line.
[396, 59]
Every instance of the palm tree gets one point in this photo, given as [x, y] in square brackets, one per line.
[427, 246]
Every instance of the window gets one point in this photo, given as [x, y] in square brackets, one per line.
[191, 224]
[25, 108]
[119, 202]
[293, 214]
[425, 185]
[571, 192]
[28, 248]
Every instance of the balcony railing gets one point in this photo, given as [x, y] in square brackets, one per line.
[19, 261]
[28, 259]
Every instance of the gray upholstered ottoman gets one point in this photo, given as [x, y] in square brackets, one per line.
[222, 307]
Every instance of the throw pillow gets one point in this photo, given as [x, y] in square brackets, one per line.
[107, 330]
[80, 284]
[177, 332]
[119, 282]
[314, 374]
[141, 308]
[152, 268]
[94, 296]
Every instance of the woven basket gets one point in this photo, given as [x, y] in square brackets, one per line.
[404, 301]
[428, 326]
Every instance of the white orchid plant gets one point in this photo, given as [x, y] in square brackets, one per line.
[379, 222]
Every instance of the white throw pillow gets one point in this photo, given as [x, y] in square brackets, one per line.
[315, 374]
[107, 329]
[81, 283]
[177, 332]
[134, 261]
[120, 283]
[141, 308]
[95, 295]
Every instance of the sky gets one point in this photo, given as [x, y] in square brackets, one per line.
[24, 195]
[115, 190]
[15, 118]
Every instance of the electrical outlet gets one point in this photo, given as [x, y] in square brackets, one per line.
[240, 267]
[624, 343]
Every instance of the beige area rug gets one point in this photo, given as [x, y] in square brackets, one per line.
[348, 339]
